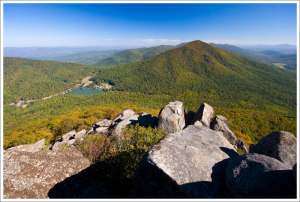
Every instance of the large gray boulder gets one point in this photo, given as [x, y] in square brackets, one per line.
[29, 147]
[28, 175]
[280, 145]
[64, 140]
[58, 145]
[103, 123]
[122, 116]
[171, 117]
[147, 120]
[132, 120]
[259, 176]
[102, 129]
[66, 137]
[80, 134]
[189, 163]
[102, 126]
[204, 115]
[220, 123]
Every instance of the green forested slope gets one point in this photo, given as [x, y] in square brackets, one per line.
[53, 117]
[199, 70]
[133, 55]
[35, 79]
[289, 61]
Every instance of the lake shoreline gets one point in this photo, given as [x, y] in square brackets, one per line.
[85, 91]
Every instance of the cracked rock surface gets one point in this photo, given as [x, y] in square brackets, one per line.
[33, 174]
[188, 163]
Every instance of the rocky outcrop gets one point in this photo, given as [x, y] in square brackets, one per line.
[80, 134]
[204, 115]
[71, 142]
[66, 137]
[57, 145]
[102, 126]
[31, 175]
[103, 123]
[64, 140]
[117, 131]
[242, 146]
[29, 147]
[171, 117]
[220, 123]
[102, 129]
[259, 176]
[191, 161]
[280, 145]
[188, 163]
[122, 116]
[147, 120]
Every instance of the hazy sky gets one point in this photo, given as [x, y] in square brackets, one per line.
[83, 24]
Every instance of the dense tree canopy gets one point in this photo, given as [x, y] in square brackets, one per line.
[35, 79]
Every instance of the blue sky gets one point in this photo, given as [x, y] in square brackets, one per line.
[27, 25]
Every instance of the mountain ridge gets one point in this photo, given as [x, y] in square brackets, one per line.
[133, 55]
[200, 68]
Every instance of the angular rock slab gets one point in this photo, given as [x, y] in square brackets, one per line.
[29, 147]
[220, 123]
[171, 118]
[204, 115]
[80, 134]
[103, 123]
[58, 144]
[280, 145]
[102, 129]
[66, 137]
[147, 120]
[32, 175]
[188, 163]
[259, 176]
[132, 120]
[122, 116]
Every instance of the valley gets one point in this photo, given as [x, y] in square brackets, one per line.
[271, 55]
[150, 100]
[258, 98]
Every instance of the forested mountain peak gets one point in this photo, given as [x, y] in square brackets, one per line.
[198, 68]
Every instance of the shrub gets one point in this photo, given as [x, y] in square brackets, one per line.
[118, 158]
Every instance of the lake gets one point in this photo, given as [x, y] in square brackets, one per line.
[85, 91]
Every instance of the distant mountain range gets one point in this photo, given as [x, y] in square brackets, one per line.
[133, 55]
[283, 48]
[52, 52]
[266, 56]
[88, 57]
[282, 55]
